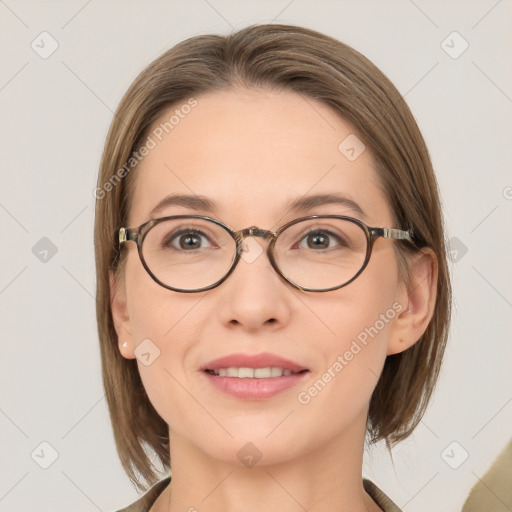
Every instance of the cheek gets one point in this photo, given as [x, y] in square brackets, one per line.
[338, 395]
[353, 328]
[363, 310]
[155, 312]
[164, 325]
[168, 328]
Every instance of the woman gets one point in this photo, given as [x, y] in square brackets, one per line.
[272, 279]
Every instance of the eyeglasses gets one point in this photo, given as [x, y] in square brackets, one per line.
[194, 253]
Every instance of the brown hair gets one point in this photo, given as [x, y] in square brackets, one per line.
[317, 66]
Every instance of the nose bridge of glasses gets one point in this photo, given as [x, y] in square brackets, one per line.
[256, 232]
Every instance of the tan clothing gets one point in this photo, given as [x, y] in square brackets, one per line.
[493, 491]
[144, 503]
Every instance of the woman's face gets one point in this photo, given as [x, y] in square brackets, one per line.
[251, 152]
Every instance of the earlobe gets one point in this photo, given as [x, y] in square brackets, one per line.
[418, 298]
[121, 318]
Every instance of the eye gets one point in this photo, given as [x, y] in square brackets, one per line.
[321, 239]
[187, 240]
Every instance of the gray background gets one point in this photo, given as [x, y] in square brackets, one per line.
[55, 114]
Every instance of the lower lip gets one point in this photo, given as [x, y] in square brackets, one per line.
[254, 389]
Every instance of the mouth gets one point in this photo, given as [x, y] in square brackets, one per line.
[254, 373]
[253, 377]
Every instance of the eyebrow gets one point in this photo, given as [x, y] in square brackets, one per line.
[309, 202]
[202, 203]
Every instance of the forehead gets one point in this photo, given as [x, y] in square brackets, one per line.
[252, 151]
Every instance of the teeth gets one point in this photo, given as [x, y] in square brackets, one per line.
[252, 373]
[245, 373]
[276, 372]
[232, 372]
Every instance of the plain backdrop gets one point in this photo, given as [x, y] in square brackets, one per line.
[55, 112]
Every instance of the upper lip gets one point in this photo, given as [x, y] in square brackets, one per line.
[263, 360]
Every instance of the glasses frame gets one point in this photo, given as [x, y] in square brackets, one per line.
[137, 235]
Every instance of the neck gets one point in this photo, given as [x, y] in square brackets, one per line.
[328, 477]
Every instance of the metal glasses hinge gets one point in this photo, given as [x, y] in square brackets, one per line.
[122, 235]
[397, 234]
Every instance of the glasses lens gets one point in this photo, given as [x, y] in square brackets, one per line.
[321, 253]
[188, 253]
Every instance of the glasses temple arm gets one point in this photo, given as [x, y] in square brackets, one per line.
[396, 234]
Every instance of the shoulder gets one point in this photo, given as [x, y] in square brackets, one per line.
[492, 491]
[144, 503]
[382, 500]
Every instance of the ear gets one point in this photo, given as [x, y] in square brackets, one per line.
[417, 299]
[118, 306]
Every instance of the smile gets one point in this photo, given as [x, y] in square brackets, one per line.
[253, 373]
[253, 376]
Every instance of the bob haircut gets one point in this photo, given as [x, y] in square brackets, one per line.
[289, 58]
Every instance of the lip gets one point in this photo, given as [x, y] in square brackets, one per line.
[254, 389]
[263, 360]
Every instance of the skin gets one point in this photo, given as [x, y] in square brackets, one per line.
[251, 151]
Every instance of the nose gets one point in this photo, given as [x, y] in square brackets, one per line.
[254, 296]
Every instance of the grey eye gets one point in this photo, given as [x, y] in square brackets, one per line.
[187, 240]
